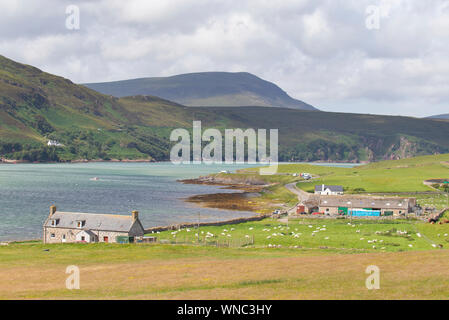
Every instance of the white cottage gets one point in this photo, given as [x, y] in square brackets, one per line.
[328, 190]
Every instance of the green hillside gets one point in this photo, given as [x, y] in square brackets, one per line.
[405, 175]
[215, 89]
[36, 107]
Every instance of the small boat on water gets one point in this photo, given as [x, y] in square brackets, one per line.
[94, 179]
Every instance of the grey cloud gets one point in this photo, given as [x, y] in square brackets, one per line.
[319, 51]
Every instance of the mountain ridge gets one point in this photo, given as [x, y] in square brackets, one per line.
[206, 89]
[444, 116]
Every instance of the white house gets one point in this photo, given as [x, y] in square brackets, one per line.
[54, 143]
[328, 190]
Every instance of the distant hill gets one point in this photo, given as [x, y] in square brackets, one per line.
[440, 116]
[36, 106]
[215, 89]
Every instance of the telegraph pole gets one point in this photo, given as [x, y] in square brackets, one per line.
[350, 216]
[199, 218]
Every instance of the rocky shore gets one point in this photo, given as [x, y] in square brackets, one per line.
[245, 200]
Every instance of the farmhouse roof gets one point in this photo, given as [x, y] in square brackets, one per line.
[323, 187]
[93, 221]
[364, 202]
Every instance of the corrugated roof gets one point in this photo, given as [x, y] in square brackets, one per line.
[93, 221]
[364, 202]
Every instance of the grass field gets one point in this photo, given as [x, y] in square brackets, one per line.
[332, 235]
[110, 271]
[405, 175]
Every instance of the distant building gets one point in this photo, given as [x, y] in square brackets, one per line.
[54, 143]
[61, 227]
[328, 190]
[361, 205]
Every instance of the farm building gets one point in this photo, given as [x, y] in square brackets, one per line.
[361, 206]
[328, 190]
[62, 227]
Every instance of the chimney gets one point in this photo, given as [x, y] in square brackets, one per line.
[52, 210]
[322, 188]
[135, 215]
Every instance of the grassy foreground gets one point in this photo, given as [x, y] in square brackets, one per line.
[188, 272]
[329, 265]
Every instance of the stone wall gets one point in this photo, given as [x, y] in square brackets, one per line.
[207, 224]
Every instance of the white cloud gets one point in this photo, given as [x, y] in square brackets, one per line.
[319, 51]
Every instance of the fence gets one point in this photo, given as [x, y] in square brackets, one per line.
[214, 242]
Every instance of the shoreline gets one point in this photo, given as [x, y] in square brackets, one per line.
[236, 201]
[14, 161]
[8, 161]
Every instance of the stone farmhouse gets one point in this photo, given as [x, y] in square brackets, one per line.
[67, 227]
[361, 205]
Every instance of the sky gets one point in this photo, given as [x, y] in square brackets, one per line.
[362, 56]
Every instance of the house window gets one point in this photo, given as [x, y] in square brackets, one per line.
[54, 222]
[52, 235]
[63, 237]
[106, 239]
[83, 238]
[80, 223]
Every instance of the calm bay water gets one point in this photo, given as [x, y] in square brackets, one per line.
[28, 190]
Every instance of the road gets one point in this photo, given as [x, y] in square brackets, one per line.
[302, 195]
